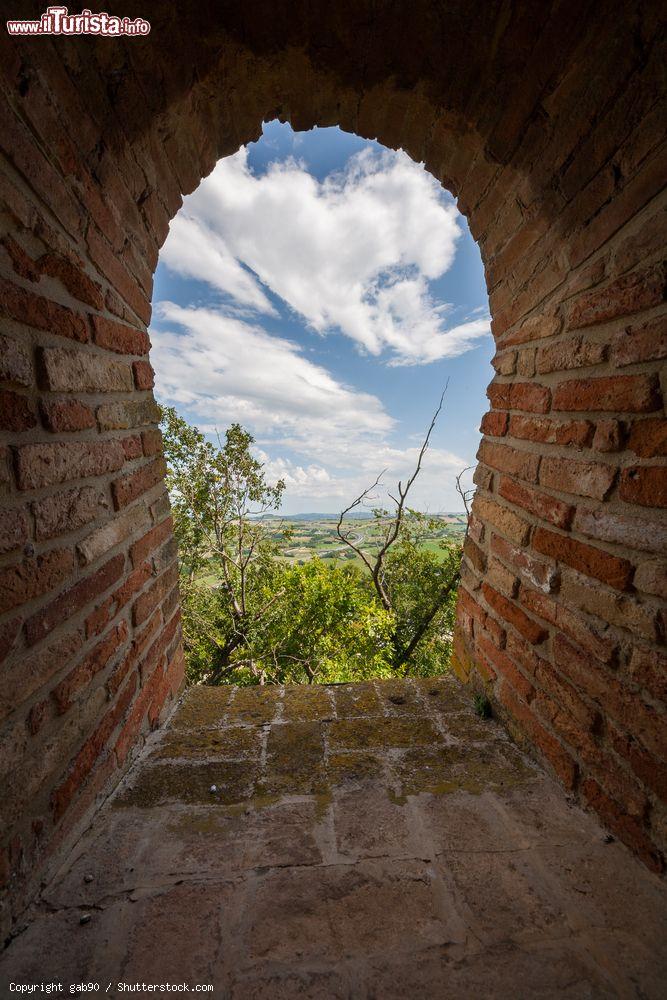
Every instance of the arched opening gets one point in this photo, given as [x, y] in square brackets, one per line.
[543, 124]
[322, 294]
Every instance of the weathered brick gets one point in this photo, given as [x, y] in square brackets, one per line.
[127, 414]
[473, 552]
[608, 436]
[32, 310]
[47, 464]
[594, 639]
[530, 397]
[577, 433]
[648, 668]
[619, 393]
[535, 328]
[17, 412]
[115, 531]
[62, 415]
[586, 559]
[613, 606]
[645, 485]
[34, 577]
[648, 438]
[641, 342]
[73, 600]
[575, 352]
[148, 601]
[73, 277]
[151, 442]
[627, 828]
[144, 376]
[622, 529]
[500, 517]
[29, 673]
[504, 362]
[15, 362]
[540, 574]
[494, 423]
[651, 578]
[130, 487]
[509, 612]
[118, 337]
[498, 394]
[93, 663]
[501, 578]
[13, 529]
[650, 771]
[63, 512]
[628, 294]
[523, 464]
[82, 371]
[561, 761]
[542, 505]
[588, 479]
[504, 667]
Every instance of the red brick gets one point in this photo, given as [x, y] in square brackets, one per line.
[130, 487]
[577, 433]
[115, 272]
[118, 337]
[132, 447]
[648, 668]
[32, 310]
[17, 412]
[61, 513]
[561, 761]
[82, 371]
[508, 611]
[630, 293]
[529, 396]
[132, 584]
[608, 437]
[621, 529]
[592, 639]
[8, 634]
[73, 277]
[650, 771]
[588, 479]
[575, 352]
[47, 464]
[499, 395]
[473, 552]
[86, 758]
[22, 264]
[645, 485]
[74, 599]
[494, 423]
[148, 601]
[540, 504]
[619, 393]
[34, 577]
[586, 559]
[626, 827]
[504, 667]
[540, 574]
[651, 578]
[641, 342]
[62, 415]
[29, 673]
[648, 438]
[97, 660]
[151, 442]
[144, 376]
[522, 464]
[502, 518]
[535, 328]
[15, 362]
[13, 529]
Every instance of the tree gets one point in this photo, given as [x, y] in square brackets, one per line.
[219, 496]
[411, 583]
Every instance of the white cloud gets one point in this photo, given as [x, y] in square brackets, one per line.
[353, 253]
[222, 369]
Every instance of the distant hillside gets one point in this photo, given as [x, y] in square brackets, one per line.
[361, 515]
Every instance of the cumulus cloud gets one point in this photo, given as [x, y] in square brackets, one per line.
[353, 253]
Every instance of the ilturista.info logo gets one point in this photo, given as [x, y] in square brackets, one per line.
[59, 21]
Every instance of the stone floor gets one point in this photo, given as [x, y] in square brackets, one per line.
[361, 841]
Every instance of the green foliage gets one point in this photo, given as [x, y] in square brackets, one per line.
[482, 705]
[252, 617]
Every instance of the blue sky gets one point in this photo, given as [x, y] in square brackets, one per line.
[322, 290]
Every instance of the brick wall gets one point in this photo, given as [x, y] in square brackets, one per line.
[545, 124]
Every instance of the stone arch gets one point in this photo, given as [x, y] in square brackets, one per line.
[544, 121]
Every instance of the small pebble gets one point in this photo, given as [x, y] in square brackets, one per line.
[88, 878]
[85, 918]
[214, 788]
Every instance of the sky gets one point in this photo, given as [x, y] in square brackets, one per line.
[323, 291]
